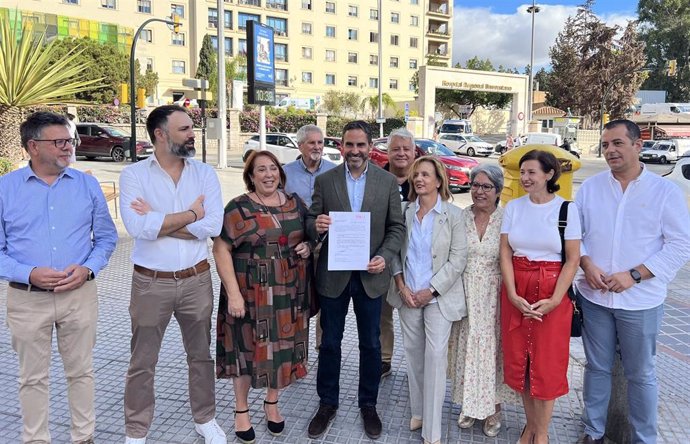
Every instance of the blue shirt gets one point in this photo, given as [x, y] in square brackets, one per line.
[301, 181]
[55, 225]
[355, 187]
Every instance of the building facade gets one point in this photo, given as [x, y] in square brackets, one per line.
[319, 45]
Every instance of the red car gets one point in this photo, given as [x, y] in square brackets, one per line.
[457, 167]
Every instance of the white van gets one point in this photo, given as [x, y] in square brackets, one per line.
[453, 126]
[665, 108]
[665, 151]
[542, 139]
[305, 104]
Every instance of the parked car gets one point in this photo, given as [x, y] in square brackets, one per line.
[457, 167]
[284, 146]
[680, 175]
[664, 151]
[466, 144]
[100, 140]
[542, 139]
[333, 142]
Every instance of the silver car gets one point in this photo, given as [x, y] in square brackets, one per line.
[466, 144]
[284, 146]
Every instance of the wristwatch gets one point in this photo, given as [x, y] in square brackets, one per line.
[434, 292]
[91, 276]
[637, 277]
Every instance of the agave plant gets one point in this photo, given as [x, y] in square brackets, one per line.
[27, 78]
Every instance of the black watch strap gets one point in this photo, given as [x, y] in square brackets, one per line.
[91, 276]
[637, 277]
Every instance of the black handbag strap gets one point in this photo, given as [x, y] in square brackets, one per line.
[562, 223]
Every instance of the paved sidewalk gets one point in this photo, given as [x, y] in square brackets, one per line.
[173, 423]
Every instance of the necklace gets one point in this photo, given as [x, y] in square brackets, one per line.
[283, 239]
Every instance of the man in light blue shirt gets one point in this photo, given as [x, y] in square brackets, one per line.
[57, 235]
[302, 172]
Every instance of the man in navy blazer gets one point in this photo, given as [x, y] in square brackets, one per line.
[356, 185]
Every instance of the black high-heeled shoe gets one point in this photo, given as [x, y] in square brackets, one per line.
[275, 428]
[247, 436]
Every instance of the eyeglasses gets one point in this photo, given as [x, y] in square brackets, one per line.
[59, 143]
[484, 186]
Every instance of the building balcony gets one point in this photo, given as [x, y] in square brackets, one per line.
[439, 8]
[279, 5]
[249, 2]
[438, 32]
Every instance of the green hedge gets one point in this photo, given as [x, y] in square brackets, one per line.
[6, 166]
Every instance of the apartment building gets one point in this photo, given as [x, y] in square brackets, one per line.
[319, 44]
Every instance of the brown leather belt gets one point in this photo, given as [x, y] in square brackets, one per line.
[26, 287]
[179, 274]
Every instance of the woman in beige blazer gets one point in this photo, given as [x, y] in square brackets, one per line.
[428, 290]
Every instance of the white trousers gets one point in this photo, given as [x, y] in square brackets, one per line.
[425, 337]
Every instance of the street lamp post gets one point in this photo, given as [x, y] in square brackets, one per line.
[380, 119]
[133, 86]
[532, 10]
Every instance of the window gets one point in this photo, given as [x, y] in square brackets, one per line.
[306, 52]
[374, 14]
[250, 2]
[395, 17]
[177, 9]
[413, 63]
[351, 57]
[351, 34]
[330, 31]
[330, 55]
[395, 40]
[228, 45]
[414, 20]
[244, 18]
[414, 42]
[71, 2]
[144, 6]
[279, 25]
[330, 79]
[306, 4]
[352, 11]
[373, 37]
[146, 35]
[393, 84]
[277, 4]
[212, 18]
[149, 64]
[306, 28]
[108, 4]
[351, 80]
[281, 52]
[394, 62]
[242, 47]
[414, 2]
[178, 66]
[373, 59]
[330, 7]
[282, 77]
[306, 77]
[373, 82]
[227, 19]
[411, 86]
[177, 38]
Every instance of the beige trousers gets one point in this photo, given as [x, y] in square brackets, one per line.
[31, 317]
[153, 302]
[387, 337]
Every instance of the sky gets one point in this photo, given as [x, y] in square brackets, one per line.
[500, 30]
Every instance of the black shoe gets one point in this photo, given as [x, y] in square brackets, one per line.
[247, 436]
[372, 423]
[385, 369]
[275, 428]
[319, 423]
[586, 439]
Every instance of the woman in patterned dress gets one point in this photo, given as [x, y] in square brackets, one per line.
[475, 364]
[263, 314]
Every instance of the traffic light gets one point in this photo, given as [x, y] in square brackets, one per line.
[124, 93]
[176, 26]
[672, 67]
[605, 118]
[141, 98]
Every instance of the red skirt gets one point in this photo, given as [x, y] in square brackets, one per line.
[542, 348]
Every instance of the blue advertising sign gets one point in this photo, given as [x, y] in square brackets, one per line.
[260, 64]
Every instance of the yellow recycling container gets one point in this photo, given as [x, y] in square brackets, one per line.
[510, 162]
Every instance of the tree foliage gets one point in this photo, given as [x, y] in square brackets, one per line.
[591, 59]
[665, 28]
[208, 66]
[372, 103]
[341, 103]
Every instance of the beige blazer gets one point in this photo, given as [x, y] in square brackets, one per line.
[449, 256]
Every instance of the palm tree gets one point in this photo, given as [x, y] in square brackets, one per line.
[27, 78]
[372, 103]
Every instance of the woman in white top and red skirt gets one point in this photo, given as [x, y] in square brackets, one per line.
[535, 310]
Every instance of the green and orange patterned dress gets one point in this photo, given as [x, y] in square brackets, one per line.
[271, 342]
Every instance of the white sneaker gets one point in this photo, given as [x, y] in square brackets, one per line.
[129, 440]
[211, 432]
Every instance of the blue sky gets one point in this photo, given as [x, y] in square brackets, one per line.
[500, 30]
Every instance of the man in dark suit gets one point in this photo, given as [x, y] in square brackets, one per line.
[356, 185]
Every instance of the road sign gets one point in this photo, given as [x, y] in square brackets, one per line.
[407, 111]
[380, 120]
[521, 116]
[186, 102]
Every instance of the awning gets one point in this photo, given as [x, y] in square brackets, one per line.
[667, 131]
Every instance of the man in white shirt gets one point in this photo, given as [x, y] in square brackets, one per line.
[636, 236]
[170, 204]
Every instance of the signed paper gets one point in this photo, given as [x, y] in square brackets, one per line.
[348, 240]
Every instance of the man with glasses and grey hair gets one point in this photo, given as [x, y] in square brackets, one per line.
[57, 235]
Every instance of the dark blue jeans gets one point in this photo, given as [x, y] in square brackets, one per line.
[368, 314]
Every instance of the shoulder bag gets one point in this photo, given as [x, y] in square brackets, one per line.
[576, 325]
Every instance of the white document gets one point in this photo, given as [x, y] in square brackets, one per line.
[348, 240]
